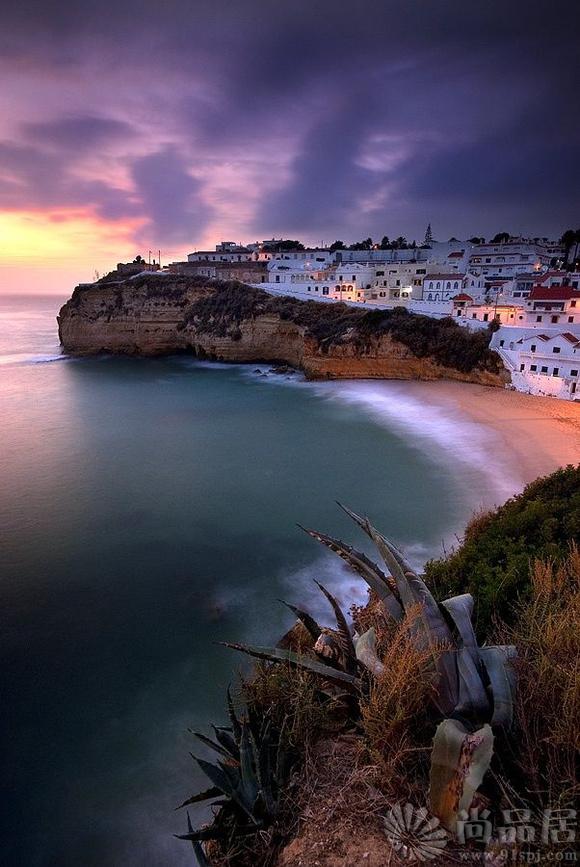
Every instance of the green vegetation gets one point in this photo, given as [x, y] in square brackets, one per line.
[440, 339]
[493, 562]
[408, 698]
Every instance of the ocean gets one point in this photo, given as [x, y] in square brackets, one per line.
[148, 511]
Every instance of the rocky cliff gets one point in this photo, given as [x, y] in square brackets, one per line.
[154, 315]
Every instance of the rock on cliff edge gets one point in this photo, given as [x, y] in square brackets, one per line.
[160, 314]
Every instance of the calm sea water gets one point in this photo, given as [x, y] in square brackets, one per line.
[147, 511]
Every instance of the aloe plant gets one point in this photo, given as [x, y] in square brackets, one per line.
[474, 686]
[459, 762]
[246, 780]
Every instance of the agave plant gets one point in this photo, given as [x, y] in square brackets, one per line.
[246, 780]
[474, 686]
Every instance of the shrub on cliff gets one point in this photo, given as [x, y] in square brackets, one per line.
[493, 562]
[448, 344]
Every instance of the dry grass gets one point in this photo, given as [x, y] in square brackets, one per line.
[395, 711]
[298, 704]
[547, 635]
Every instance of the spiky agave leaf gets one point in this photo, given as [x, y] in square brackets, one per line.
[459, 761]
[208, 832]
[502, 678]
[207, 795]
[473, 700]
[430, 629]
[366, 652]
[383, 585]
[276, 654]
[344, 636]
[216, 747]
[197, 847]
[366, 527]
[236, 725]
[228, 780]
[305, 618]
[224, 737]
[200, 854]
[248, 778]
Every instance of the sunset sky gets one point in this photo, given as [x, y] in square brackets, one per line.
[126, 126]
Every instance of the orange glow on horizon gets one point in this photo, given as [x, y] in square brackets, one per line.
[59, 237]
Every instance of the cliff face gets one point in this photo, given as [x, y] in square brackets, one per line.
[161, 315]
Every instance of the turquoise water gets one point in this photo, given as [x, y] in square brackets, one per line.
[148, 509]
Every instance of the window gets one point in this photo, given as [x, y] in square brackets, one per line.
[533, 347]
[474, 316]
[554, 319]
[438, 285]
[573, 303]
[456, 285]
[533, 367]
[538, 318]
[501, 343]
[556, 371]
[570, 319]
[573, 373]
[522, 367]
[544, 369]
[485, 317]
[556, 349]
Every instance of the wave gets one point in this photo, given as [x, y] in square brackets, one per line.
[27, 358]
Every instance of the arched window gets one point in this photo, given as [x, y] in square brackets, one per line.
[448, 287]
[429, 297]
[456, 286]
[438, 285]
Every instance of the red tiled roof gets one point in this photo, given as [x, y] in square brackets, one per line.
[553, 293]
[458, 254]
[462, 297]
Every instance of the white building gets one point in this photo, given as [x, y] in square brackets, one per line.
[441, 287]
[513, 257]
[552, 306]
[547, 364]
[218, 255]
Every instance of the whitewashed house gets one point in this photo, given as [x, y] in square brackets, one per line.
[552, 305]
[547, 364]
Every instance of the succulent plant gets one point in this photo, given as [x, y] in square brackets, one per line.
[474, 686]
[246, 780]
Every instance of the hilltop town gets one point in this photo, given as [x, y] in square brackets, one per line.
[527, 290]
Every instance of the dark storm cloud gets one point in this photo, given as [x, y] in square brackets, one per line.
[362, 116]
[170, 196]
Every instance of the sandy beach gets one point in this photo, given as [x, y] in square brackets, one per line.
[541, 433]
